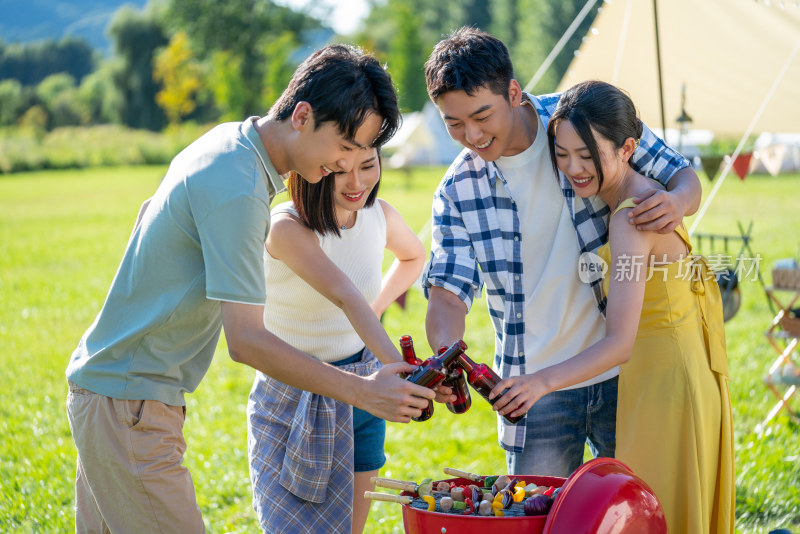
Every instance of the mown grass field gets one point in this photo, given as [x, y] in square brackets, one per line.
[62, 235]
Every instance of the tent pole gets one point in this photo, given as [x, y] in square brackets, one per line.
[658, 64]
[559, 45]
[742, 141]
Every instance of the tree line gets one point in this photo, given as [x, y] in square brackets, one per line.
[209, 61]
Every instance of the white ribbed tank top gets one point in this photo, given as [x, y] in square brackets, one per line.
[302, 317]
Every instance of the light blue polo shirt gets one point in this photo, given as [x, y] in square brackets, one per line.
[200, 241]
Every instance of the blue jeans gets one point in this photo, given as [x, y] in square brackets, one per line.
[369, 432]
[559, 425]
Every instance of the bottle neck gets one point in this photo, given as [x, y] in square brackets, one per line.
[449, 356]
[466, 363]
[407, 348]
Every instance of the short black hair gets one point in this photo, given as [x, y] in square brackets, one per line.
[600, 106]
[467, 60]
[314, 202]
[343, 84]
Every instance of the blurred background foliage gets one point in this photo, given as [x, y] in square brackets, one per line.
[172, 62]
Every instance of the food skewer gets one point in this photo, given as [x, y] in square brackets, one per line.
[446, 505]
[487, 480]
[388, 497]
[423, 488]
[463, 474]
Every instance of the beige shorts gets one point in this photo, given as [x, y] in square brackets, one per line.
[130, 476]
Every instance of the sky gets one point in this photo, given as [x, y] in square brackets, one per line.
[345, 15]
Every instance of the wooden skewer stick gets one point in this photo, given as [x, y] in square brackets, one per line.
[388, 497]
[420, 489]
[463, 474]
[393, 484]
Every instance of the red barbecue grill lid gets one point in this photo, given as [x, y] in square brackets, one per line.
[604, 495]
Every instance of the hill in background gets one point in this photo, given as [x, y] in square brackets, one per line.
[37, 20]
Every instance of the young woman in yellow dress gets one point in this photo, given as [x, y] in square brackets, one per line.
[664, 326]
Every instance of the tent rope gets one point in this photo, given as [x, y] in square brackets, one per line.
[739, 147]
[560, 45]
[623, 34]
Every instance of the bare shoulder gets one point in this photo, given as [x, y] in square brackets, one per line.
[286, 231]
[385, 206]
[285, 221]
[624, 234]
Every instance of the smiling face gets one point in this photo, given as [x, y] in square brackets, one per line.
[352, 189]
[574, 159]
[486, 122]
[324, 150]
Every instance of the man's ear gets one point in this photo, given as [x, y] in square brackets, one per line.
[514, 93]
[302, 116]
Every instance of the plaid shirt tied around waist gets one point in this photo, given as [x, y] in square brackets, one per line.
[477, 241]
[301, 455]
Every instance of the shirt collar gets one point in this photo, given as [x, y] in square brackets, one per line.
[274, 181]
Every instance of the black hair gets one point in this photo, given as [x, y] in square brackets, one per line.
[467, 60]
[343, 84]
[597, 106]
[314, 202]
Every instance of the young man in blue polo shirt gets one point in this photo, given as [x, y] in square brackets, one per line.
[502, 217]
[193, 265]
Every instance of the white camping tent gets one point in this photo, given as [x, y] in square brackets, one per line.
[421, 140]
[732, 56]
[735, 62]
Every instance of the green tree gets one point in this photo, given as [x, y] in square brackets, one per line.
[477, 13]
[100, 96]
[279, 67]
[58, 94]
[539, 26]
[227, 85]
[403, 32]
[406, 58]
[180, 76]
[30, 63]
[242, 31]
[12, 101]
[137, 35]
[531, 47]
[34, 119]
[503, 17]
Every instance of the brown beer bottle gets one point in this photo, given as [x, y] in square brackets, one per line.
[483, 379]
[457, 381]
[410, 356]
[407, 349]
[435, 369]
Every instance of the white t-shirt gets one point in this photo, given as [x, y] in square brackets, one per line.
[561, 315]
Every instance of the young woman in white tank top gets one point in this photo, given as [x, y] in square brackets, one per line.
[325, 295]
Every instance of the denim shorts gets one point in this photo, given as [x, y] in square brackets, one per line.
[559, 426]
[369, 432]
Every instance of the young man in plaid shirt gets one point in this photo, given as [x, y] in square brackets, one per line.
[503, 218]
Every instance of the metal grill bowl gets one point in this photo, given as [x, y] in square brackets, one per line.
[602, 496]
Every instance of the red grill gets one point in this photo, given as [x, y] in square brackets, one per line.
[602, 496]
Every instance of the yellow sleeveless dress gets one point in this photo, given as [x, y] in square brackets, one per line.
[674, 423]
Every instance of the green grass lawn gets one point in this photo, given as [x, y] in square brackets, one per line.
[62, 235]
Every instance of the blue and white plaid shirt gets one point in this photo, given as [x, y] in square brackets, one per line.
[477, 240]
